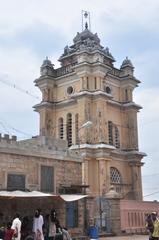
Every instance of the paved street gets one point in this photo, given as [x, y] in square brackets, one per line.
[132, 237]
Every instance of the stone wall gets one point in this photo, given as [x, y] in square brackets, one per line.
[27, 157]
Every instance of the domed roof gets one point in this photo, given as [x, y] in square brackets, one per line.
[127, 63]
[86, 41]
[86, 34]
[47, 63]
[47, 68]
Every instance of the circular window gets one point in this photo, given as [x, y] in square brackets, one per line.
[107, 89]
[70, 90]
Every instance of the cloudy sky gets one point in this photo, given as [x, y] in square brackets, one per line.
[32, 30]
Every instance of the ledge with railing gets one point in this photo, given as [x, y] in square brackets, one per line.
[65, 69]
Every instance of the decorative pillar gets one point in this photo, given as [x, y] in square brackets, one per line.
[136, 179]
[85, 171]
[104, 175]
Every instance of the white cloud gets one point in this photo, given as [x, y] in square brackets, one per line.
[149, 98]
[18, 67]
[65, 14]
[148, 139]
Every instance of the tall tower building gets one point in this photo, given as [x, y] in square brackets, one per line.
[87, 87]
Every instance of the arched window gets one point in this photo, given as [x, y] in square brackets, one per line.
[110, 132]
[95, 83]
[108, 89]
[126, 95]
[117, 142]
[113, 135]
[87, 83]
[77, 128]
[69, 129]
[70, 90]
[60, 128]
[115, 176]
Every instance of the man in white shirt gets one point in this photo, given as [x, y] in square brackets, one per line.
[38, 222]
[16, 226]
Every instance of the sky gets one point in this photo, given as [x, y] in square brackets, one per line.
[32, 30]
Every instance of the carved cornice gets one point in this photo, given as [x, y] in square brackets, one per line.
[124, 105]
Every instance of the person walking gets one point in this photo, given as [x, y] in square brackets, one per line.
[2, 231]
[92, 231]
[38, 222]
[16, 226]
[52, 225]
[155, 234]
[149, 225]
[8, 233]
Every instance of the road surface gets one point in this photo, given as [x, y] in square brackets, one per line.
[131, 237]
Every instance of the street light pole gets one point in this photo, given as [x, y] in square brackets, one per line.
[87, 124]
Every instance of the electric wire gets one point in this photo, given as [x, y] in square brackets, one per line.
[6, 125]
[28, 134]
[153, 193]
[17, 130]
[18, 88]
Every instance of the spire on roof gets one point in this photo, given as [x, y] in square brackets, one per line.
[47, 68]
[86, 20]
[127, 63]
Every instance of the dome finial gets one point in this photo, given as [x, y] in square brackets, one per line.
[86, 25]
[47, 68]
[127, 63]
[86, 20]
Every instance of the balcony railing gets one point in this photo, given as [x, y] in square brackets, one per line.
[65, 70]
[122, 188]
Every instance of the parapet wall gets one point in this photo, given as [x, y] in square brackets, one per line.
[132, 215]
[6, 138]
[38, 146]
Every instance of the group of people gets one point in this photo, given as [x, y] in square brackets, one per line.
[50, 229]
[152, 224]
[12, 230]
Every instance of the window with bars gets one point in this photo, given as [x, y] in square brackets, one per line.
[95, 83]
[69, 129]
[16, 182]
[117, 142]
[60, 127]
[115, 176]
[47, 179]
[126, 95]
[110, 132]
[77, 128]
[87, 83]
[72, 214]
[113, 135]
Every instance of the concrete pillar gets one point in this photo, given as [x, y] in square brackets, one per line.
[85, 171]
[104, 175]
[115, 215]
[136, 180]
[114, 202]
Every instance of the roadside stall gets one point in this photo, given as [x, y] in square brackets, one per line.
[69, 208]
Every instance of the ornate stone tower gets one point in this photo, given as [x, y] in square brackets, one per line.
[87, 87]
